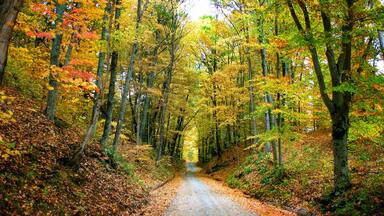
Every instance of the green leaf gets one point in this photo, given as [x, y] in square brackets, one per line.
[345, 87]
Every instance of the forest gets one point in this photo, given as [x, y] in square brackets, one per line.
[103, 102]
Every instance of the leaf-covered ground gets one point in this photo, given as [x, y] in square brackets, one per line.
[160, 198]
[306, 180]
[34, 177]
[244, 200]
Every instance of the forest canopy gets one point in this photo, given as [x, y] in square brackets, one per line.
[263, 77]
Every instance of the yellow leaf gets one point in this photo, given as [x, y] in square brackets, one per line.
[114, 124]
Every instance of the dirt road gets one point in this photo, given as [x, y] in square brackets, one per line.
[196, 198]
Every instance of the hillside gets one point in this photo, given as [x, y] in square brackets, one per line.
[305, 179]
[36, 179]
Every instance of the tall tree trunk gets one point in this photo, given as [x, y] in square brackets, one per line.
[124, 97]
[138, 105]
[9, 9]
[110, 100]
[217, 130]
[54, 61]
[128, 78]
[144, 119]
[179, 129]
[69, 52]
[112, 84]
[251, 92]
[99, 82]
[279, 101]
[147, 101]
[177, 136]
[166, 141]
[100, 68]
[167, 88]
[340, 126]
[267, 97]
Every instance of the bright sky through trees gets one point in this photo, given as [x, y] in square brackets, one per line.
[199, 8]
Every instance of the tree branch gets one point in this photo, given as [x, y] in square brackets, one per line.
[315, 57]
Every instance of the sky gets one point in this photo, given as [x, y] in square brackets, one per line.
[198, 8]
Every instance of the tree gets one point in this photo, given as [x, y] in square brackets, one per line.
[55, 62]
[140, 11]
[340, 68]
[98, 93]
[174, 23]
[112, 82]
[9, 10]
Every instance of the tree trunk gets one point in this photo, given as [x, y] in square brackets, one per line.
[147, 101]
[54, 61]
[279, 96]
[127, 81]
[100, 66]
[166, 94]
[112, 82]
[110, 100]
[179, 127]
[340, 126]
[138, 107]
[269, 119]
[381, 40]
[217, 132]
[9, 9]
[96, 108]
[124, 97]
[251, 93]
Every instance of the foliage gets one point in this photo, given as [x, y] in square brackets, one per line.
[5, 112]
[271, 78]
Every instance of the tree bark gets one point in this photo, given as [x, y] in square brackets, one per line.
[167, 87]
[251, 92]
[217, 130]
[279, 95]
[340, 126]
[9, 9]
[112, 84]
[54, 61]
[147, 101]
[110, 100]
[100, 66]
[128, 78]
[138, 107]
[267, 97]
[381, 40]
[124, 98]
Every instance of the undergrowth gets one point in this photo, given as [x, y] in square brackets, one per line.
[305, 179]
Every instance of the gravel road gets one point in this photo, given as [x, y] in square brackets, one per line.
[195, 198]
